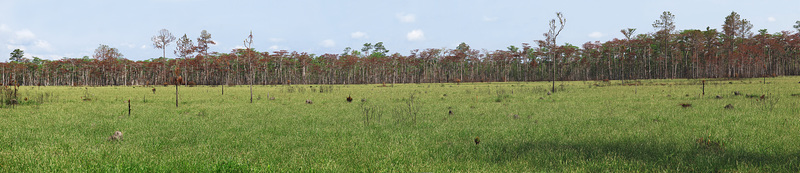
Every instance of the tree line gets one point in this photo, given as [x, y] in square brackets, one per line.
[733, 52]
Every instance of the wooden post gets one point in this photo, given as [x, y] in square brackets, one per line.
[176, 95]
[129, 107]
[704, 87]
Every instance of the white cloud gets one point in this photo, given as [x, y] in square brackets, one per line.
[359, 35]
[415, 35]
[25, 40]
[771, 19]
[129, 45]
[25, 34]
[596, 34]
[489, 19]
[238, 47]
[143, 46]
[44, 45]
[275, 47]
[406, 18]
[276, 39]
[23, 37]
[12, 47]
[48, 56]
[328, 43]
[4, 28]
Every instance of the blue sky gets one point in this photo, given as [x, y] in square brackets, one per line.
[74, 28]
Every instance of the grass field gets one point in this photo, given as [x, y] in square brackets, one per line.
[585, 127]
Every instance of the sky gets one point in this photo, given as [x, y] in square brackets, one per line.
[53, 29]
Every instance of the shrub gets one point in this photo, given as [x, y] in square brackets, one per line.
[7, 95]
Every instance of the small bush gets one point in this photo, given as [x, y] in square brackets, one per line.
[7, 95]
[87, 96]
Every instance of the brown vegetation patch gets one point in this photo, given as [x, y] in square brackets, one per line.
[729, 106]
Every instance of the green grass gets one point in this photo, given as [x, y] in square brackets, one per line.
[585, 127]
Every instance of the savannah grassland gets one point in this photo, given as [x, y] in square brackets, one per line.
[587, 126]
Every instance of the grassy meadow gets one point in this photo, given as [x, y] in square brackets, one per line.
[587, 126]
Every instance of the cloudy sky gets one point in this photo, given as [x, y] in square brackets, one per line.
[74, 28]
